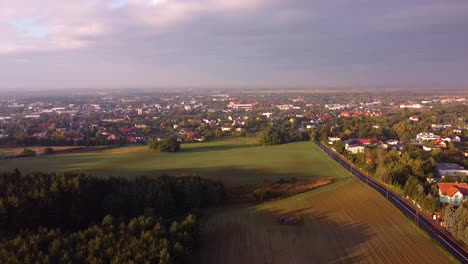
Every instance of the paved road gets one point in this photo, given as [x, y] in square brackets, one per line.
[422, 221]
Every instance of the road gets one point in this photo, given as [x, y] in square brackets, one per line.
[443, 237]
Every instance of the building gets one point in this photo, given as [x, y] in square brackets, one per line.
[247, 106]
[284, 107]
[426, 136]
[333, 139]
[453, 193]
[354, 146]
[413, 106]
[414, 118]
[450, 169]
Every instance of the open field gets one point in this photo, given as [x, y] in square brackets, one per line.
[345, 222]
[234, 161]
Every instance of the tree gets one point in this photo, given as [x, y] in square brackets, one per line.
[170, 144]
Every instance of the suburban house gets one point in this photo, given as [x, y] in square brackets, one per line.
[450, 169]
[453, 193]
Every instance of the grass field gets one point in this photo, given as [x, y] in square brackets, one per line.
[345, 222]
[234, 161]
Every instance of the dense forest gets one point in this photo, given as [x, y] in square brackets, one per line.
[49, 215]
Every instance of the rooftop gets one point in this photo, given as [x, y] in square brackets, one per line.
[449, 166]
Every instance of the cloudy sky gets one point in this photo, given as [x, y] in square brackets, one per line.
[67, 44]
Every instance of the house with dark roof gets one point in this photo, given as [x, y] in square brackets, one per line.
[453, 193]
[450, 169]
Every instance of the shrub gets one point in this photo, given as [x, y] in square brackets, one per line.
[28, 153]
[49, 151]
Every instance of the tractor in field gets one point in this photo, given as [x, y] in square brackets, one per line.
[288, 220]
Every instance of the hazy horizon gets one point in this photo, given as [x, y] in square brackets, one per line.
[233, 44]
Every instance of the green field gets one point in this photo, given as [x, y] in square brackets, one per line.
[234, 161]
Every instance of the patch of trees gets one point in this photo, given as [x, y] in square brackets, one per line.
[141, 240]
[456, 219]
[280, 132]
[74, 201]
[170, 144]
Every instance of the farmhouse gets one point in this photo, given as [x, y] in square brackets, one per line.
[414, 118]
[453, 193]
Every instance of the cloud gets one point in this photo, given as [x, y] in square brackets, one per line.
[47, 26]
[261, 42]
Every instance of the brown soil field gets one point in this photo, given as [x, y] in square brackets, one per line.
[39, 150]
[344, 222]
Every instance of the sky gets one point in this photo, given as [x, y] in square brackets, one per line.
[307, 44]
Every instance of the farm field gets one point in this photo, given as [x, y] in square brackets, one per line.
[234, 161]
[39, 150]
[345, 222]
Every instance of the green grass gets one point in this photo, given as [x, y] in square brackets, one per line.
[233, 161]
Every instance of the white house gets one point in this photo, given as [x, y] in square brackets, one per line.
[354, 146]
[453, 193]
